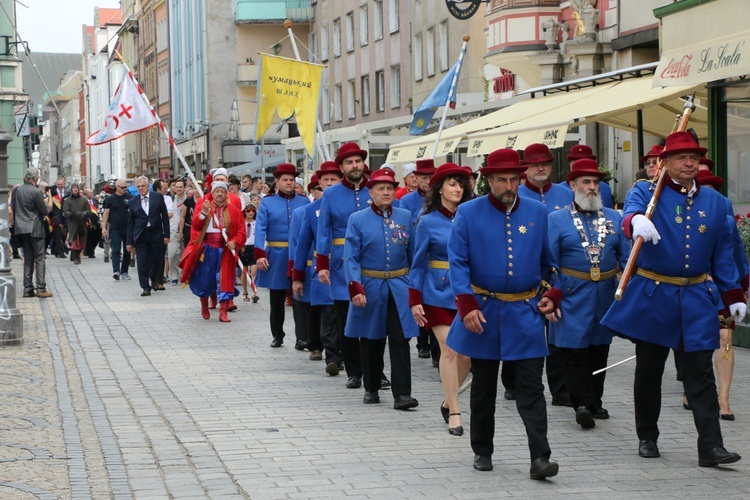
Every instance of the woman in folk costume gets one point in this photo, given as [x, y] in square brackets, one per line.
[217, 236]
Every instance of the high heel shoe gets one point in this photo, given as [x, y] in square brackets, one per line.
[446, 412]
[455, 431]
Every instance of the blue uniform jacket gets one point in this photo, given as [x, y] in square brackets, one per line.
[272, 225]
[553, 196]
[294, 233]
[695, 239]
[604, 190]
[377, 242]
[585, 302]
[506, 252]
[317, 293]
[740, 257]
[431, 285]
[338, 203]
[413, 202]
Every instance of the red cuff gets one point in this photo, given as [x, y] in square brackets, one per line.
[732, 296]
[321, 263]
[745, 282]
[289, 268]
[627, 225]
[355, 289]
[260, 253]
[555, 295]
[298, 275]
[415, 297]
[466, 303]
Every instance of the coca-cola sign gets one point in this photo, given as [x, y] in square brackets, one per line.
[677, 68]
[724, 58]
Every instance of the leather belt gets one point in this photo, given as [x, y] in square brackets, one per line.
[507, 297]
[605, 275]
[339, 241]
[672, 280]
[439, 264]
[384, 275]
[277, 244]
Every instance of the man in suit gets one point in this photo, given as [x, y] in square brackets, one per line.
[148, 231]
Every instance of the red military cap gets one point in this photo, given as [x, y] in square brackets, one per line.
[350, 149]
[705, 177]
[707, 162]
[470, 171]
[329, 167]
[503, 161]
[655, 151]
[586, 166]
[681, 142]
[382, 175]
[285, 168]
[580, 152]
[314, 182]
[446, 170]
[537, 153]
[425, 167]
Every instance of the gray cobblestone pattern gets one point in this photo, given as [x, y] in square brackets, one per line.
[113, 395]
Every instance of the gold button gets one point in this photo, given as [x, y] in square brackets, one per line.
[484, 299]
[510, 273]
[510, 240]
[509, 233]
[510, 264]
[510, 256]
[507, 225]
[510, 249]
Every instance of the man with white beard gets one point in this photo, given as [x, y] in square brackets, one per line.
[587, 242]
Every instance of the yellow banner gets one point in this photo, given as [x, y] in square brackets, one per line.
[291, 87]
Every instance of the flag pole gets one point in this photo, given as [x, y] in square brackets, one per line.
[450, 94]
[326, 155]
[163, 128]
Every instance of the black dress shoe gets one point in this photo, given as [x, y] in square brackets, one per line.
[717, 456]
[727, 416]
[585, 418]
[300, 345]
[404, 402]
[510, 395]
[423, 352]
[601, 414]
[648, 449]
[562, 399]
[542, 468]
[354, 383]
[482, 462]
[28, 294]
[277, 342]
[371, 398]
[384, 382]
[146, 292]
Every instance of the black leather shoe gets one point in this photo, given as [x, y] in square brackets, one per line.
[717, 456]
[146, 292]
[354, 383]
[384, 382]
[424, 352]
[300, 345]
[332, 369]
[445, 412]
[510, 395]
[601, 414]
[483, 463]
[277, 342]
[727, 416]
[28, 294]
[648, 449]
[562, 399]
[404, 402]
[585, 418]
[542, 468]
[371, 398]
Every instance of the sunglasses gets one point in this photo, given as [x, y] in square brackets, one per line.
[248, 210]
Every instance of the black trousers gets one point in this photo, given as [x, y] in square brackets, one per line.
[277, 301]
[700, 387]
[584, 388]
[149, 250]
[349, 347]
[372, 351]
[321, 323]
[530, 404]
[300, 311]
[555, 372]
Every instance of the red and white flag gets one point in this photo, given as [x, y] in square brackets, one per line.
[129, 112]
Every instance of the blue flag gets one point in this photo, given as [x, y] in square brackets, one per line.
[444, 90]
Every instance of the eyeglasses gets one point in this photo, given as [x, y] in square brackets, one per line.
[248, 210]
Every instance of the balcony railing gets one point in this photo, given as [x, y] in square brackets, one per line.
[270, 11]
[247, 74]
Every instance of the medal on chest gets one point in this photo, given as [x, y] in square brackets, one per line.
[593, 250]
[678, 214]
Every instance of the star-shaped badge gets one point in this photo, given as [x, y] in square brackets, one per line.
[701, 213]
[522, 229]
[702, 228]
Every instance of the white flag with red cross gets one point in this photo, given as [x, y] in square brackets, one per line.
[129, 112]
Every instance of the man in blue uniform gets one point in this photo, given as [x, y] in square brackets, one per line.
[496, 282]
[321, 329]
[584, 152]
[377, 254]
[669, 302]
[272, 244]
[587, 243]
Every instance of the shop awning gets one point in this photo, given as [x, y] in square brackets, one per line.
[724, 57]
[615, 105]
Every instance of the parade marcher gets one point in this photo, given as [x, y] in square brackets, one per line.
[210, 260]
[272, 245]
[496, 282]
[148, 233]
[584, 152]
[472, 180]
[115, 228]
[322, 329]
[670, 304]
[430, 294]
[587, 244]
[410, 180]
[93, 224]
[538, 186]
[29, 210]
[76, 211]
[377, 256]
[176, 243]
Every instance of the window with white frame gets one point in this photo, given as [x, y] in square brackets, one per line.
[430, 46]
[338, 106]
[378, 20]
[418, 56]
[365, 95]
[351, 98]
[324, 42]
[393, 16]
[395, 86]
[380, 89]
[337, 37]
[443, 45]
[314, 54]
[363, 29]
[325, 107]
[350, 31]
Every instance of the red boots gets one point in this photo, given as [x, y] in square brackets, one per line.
[204, 308]
[214, 299]
[223, 309]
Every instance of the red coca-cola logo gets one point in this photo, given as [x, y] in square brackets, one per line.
[677, 68]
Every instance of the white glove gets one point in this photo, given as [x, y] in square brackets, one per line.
[738, 310]
[644, 228]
